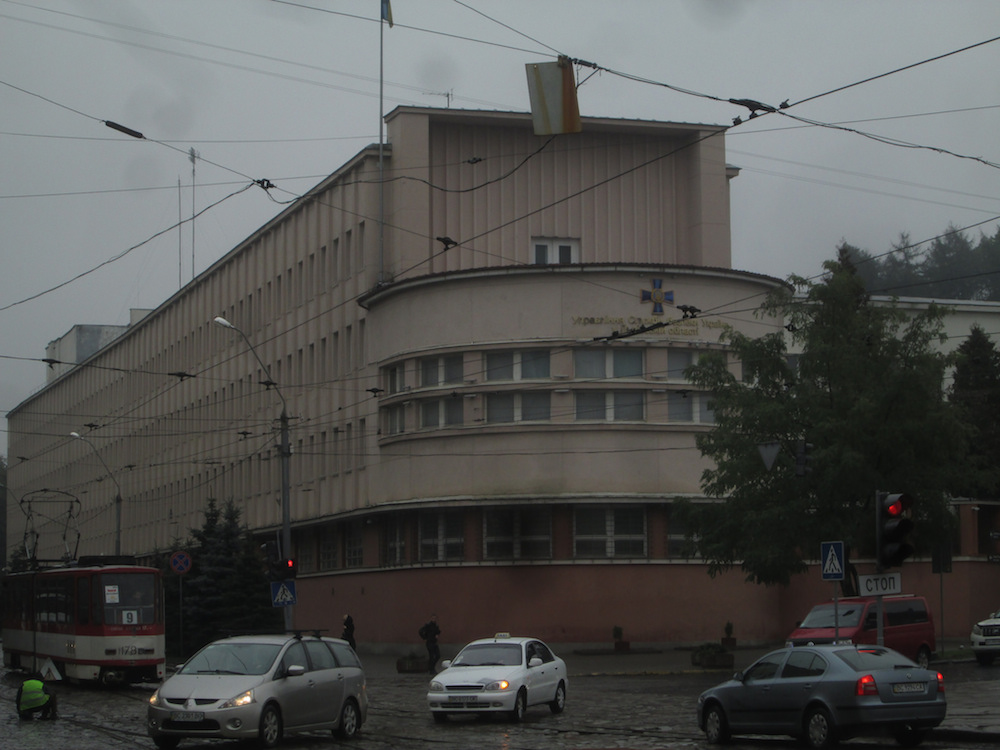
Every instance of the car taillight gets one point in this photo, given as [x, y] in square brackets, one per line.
[866, 686]
[940, 682]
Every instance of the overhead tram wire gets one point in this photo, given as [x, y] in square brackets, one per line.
[894, 250]
[675, 88]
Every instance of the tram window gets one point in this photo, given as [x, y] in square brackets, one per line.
[83, 601]
[54, 601]
[128, 598]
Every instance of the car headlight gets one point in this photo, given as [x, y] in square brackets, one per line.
[498, 685]
[976, 629]
[436, 687]
[154, 699]
[243, 699]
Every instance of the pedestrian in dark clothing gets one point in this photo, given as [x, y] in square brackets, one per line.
[430, 631]
[348, 634]
[35, 697]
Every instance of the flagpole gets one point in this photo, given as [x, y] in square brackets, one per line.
[381, 164]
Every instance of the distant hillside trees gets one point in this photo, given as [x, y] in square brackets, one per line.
[952, 266]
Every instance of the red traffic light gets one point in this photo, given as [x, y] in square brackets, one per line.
[291, 569]
[893, 530]
[896, 505]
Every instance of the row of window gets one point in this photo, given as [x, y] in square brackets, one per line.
[598, 532]
[589, 363]
[536, 406]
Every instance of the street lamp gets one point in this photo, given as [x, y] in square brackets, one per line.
[118, 488]
[285, 452]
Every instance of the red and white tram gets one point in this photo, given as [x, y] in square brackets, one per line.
[99, 620]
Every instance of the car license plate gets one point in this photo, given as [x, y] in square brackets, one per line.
[461, 699]
[188, 716]
[909, 687]
[993, 641]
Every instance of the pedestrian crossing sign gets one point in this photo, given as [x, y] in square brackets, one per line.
[282, 593]
[832, 559]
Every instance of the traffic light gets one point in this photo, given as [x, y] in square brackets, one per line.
[289, 568]
[802, 449]
[273, 569]
[893, 531]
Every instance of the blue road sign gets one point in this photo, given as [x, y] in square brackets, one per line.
[282, 593]
[832, 559]
[180, 562]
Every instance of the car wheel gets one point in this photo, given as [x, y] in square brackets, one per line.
[559, 702]
[269, 732]
[166, 743]
[439, 717]
[924, 657]
[819, 730]
[520, 707]
[350, 720]
[716, 726]
[910, 736]
[984, 659]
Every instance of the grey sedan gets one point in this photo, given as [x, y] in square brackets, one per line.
[259, 687]
[826, 693]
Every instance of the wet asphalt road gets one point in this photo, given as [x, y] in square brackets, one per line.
[602, 711]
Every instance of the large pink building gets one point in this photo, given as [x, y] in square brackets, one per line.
[469, 436]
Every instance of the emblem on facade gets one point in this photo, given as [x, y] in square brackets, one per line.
[657, 296]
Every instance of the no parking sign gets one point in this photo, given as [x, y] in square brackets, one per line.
[180, 563]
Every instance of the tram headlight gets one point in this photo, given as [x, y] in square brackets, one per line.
[243, 699]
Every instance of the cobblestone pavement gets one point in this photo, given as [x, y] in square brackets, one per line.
[637, 702]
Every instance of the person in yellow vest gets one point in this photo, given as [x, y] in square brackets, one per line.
[35, 697]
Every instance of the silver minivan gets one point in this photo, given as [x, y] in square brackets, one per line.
[261, 686]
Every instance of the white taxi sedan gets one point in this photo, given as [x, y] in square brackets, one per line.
[499, 675]
[985, 639]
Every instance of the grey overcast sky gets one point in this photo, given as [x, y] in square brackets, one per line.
[287, 91]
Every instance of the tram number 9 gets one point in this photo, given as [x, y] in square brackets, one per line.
[130, 617]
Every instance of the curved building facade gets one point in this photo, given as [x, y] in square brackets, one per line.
[479, 338]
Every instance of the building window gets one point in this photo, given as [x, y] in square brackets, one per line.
[529, 364]
[354, 547]
[610, 406]
[597, 364]
[517, 534]
[395, 419]
[609, 532]
[441, 370]
[550, 251]
[305, 552]
[442, 536]
[393, 378]
[532, 406]
[328, 549]
[440, 412]
[690, 406]
[706, 409]
[678, 360]
[395, 542]
[628, 405]
[677, 541]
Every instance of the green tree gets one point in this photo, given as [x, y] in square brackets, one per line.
[227, 590]
[975, 391]
[865, 393]
[951, 267]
